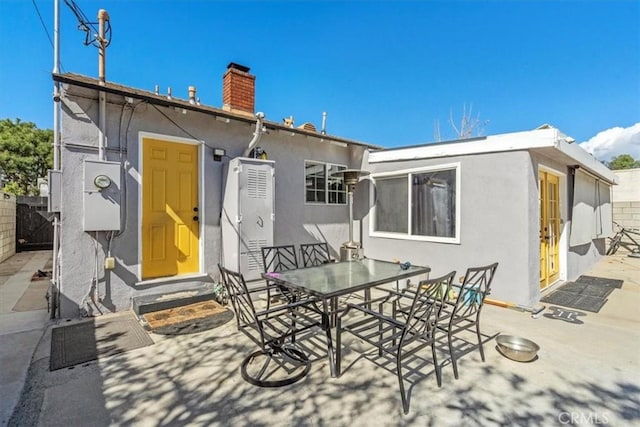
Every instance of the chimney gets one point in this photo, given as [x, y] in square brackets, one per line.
[238, 90]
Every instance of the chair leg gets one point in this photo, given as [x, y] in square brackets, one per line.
[338, 345]
[435, 363]
[405, 399]
[454, 362]
[380, 328]
[268, 298]
[479, 340]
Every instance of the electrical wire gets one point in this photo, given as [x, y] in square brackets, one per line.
[125, 163]
[44, 27]
[176, 124]
[91, 32]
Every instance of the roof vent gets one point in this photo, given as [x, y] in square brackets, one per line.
[308, 126]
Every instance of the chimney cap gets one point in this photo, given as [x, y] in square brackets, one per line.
[233, 65]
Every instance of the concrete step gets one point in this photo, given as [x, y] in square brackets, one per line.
[187, 319]
[196, 292]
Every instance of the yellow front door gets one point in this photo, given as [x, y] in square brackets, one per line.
[170, 217]
[549, 187]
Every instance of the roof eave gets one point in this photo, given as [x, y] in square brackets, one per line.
[116, 89]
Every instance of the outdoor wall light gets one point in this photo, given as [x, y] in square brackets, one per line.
[218, 154]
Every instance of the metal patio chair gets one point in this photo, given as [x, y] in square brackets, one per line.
[313, 254]
[464, 313]
[277, 259]
[274, 331]
[402, 336]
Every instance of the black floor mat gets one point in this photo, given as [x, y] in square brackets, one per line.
[85, 341]
[592, 280]
[577, 301]
[592, 290]
[588, 293]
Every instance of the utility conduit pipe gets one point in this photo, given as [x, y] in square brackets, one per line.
[55, 282]
[256, 135]
[103, 17]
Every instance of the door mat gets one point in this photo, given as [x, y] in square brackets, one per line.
[573, 300]
[188, 318]
[96, 338]
[586, 289]
[603, 281]
[588, 293]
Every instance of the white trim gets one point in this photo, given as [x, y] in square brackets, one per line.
[326, 183]
[587, 161]
[406, 173]
[176, 140]
[516, 141]
[494, 143]
[168, 138]
[563, 242]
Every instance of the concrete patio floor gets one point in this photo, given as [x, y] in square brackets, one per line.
[586, 374]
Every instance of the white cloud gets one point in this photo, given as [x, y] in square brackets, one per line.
[615, 141]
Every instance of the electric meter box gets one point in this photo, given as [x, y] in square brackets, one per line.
[101, 196]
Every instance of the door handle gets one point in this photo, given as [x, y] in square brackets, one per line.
[196, 218]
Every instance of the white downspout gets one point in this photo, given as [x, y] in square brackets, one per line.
[103, 16]
[256, 135]
[55, 282]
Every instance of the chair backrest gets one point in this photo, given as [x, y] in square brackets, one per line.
[476, 285]
[279, 258]
[241, 300]
[426, 307]
[314, 254]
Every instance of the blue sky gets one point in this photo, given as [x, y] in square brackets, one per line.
[383, 71]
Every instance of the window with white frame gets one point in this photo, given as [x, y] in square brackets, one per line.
[321, 186]
[421, 204]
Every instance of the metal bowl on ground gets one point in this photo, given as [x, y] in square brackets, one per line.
[517, 348]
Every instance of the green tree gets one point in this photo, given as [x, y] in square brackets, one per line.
[26, 153]
[623, 161]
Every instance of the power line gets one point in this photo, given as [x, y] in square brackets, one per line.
[44, 27]
[176, 124]
[91, 32]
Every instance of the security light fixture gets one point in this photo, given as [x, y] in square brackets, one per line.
[218, 154]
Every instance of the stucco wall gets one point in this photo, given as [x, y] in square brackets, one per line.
[500, 222]
[626, 198]
[295, 221]
[496, 214]
[7, 226]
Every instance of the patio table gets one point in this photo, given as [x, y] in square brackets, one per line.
[329, 281]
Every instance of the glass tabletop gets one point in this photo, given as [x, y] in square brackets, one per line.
[334, 279]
